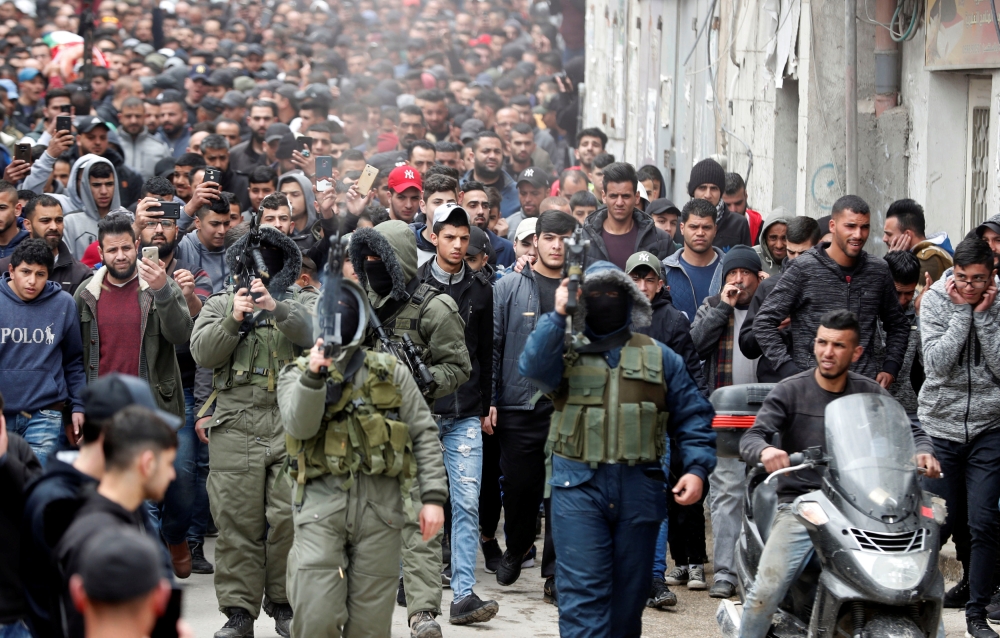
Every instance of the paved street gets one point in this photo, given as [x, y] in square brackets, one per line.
[522, 612]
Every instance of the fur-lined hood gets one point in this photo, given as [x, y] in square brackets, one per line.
[394, 243]
[606, 272]
[290, 269]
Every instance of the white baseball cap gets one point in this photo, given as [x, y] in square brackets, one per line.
[526, 228]
[444, 213]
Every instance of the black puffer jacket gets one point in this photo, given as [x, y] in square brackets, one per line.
[813, 285]
[672, 328]
[474, 295]
[648, 238]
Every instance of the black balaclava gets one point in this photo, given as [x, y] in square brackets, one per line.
[273, 257]
[606, 314]
[348, 308]
[379, 279]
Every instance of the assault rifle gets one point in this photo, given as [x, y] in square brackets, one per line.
[576, 247]
[250, 263]
[406, 352]
[329, 299]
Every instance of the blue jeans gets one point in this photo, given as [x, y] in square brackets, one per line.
[660, 555]
[15, 630]
[178, 504]
[41, 431]
[787, 546]
[605, 529]
[463, 458]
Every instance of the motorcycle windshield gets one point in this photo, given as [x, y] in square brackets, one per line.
[869, 439]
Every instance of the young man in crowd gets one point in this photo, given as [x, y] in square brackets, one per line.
[205, 247]
[465, 413]
[406, 186]
[735, 199]
[215, 150]
[43, 218]
[519, 299]
[707, 182]
[532, 187]
[142, 150]
[41, 351]
[93, 196]
[772, 241]
[714, 333]
[833, 276]
[438, 191]
[475, 200]
[905, 270]
[904, 229]
[694, 272]
[487, 149]
[305, 231]
[582, 204]
[959, 317]
[252, 153]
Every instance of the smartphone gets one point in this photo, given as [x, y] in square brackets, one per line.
[307, 144]
[171, 210]
[66, 108]
[213, 175]
[367, 179]
[166, 625]
[64, 123]
[324, 167]
[152, 253]
[22, 151]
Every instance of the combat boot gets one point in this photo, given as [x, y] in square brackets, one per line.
[282, 614]
[423, 625]
[199, 564]
[239, 625]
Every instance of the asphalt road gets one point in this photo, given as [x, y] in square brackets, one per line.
[522, 611]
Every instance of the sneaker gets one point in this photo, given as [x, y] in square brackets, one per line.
[978, 628]
[400, 594]
[549, 591]
[471, 609]
[660, 595]
[957, 596]
[446, 577]
[993, 617]
[696, 578]
[199, 564]
[722, 589]
[509, 569]
[282, 614]
[994, 604]
[529, 558]
[239, 625]
[491, 555]
[423, 625]
[677, 576]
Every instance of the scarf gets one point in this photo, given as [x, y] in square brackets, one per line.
[724, 357]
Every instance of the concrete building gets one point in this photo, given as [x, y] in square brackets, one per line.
[772, 74]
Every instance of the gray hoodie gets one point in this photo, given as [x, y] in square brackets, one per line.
[81, 214]
[143, 151]
[191, 250]
[306, 238]
[770, 264]
[960, 397]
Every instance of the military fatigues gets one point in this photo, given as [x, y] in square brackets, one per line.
[249, 496]
[350, 459]
[433, 322]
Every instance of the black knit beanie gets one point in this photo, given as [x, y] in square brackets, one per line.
[707, 171]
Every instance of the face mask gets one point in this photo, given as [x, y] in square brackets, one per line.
[348, 309]
[607, 314]
[273, 259]
[379, 279]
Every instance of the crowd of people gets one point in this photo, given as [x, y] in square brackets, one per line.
[175, 213]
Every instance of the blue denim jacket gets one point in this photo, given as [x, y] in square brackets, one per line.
[690, 425]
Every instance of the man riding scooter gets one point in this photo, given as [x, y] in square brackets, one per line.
[795, 409]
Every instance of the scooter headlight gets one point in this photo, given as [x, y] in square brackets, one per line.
[813, 512]
[895, 571]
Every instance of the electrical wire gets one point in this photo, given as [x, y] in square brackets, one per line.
[899, 14]
[701, 32]
[913, 23]
[993, 5]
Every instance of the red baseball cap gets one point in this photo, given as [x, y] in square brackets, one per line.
[403, 177]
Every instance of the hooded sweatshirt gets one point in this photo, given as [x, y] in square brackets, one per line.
[307, 237]
[81, 216]
[960, 397]
[441, 327]
[212, 261]
[769, 262]
[682, 288]
[41, 350]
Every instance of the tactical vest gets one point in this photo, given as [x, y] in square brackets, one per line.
[611, 415]
[258, 357]
[407, 319]
[360, 432]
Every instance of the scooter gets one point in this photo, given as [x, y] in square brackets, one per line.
[873, 571]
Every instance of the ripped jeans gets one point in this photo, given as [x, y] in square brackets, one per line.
[463, 459]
